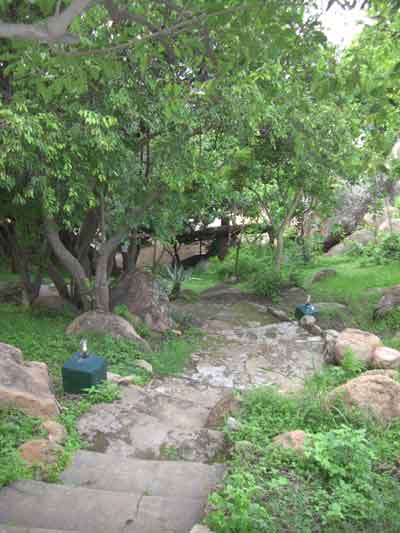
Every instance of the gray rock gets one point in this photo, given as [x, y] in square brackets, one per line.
[278, 313]
[105, 324]
[324, 274]
[232, 424]
[145, 297]
[307, 321]
[144, 365]
[387, 226]
[362, 237]
[330, 336]
[389, 302]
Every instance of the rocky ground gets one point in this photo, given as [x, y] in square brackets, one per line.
[161, 445]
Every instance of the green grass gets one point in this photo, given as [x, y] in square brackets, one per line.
[346, 481]
[353, 286]
[40, 336]
[15, 429]
[201, 281]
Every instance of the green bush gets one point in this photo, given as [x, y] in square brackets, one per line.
[385, 250]
[267, 283]
[346, 480]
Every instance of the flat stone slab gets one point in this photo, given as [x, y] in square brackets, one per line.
[12, 529]
[281, 354]
[150, 425]
[33, 504]
[181, 479]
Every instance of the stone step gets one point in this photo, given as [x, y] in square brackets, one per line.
[148, 424]
[106, 471]
[12, 529]
[33, 504]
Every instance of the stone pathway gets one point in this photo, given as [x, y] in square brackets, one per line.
[151, 460]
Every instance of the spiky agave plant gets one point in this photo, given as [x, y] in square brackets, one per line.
[177, 275]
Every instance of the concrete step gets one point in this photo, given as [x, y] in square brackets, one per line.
[148, 424]
[33, 504]
[107, 471]
[12, 529]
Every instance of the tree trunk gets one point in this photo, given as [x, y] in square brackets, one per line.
[70, 263]
[279, 252]
[281, 230]
[132, 254]
[86, 236]
[58, 280]
[102, 290]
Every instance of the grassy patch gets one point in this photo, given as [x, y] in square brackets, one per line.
[347, 480]
[15, 429]
[201, 281]
[357, 286]
[40, 336]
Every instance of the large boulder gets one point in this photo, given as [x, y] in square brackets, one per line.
[353, 203]
[361, 343]
[389, 301]
[376, 219]
[361, 237]
[105, 324]
[25, 385]
[388, 226]
[144, 296]
[375, 392]
[384, 357]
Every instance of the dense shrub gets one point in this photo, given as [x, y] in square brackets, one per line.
[385, 250]
[346, 480]
[255, 266]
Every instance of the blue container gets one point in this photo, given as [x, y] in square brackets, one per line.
[304, 310]
[81, 372]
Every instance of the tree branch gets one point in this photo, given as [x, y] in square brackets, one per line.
[48, 30]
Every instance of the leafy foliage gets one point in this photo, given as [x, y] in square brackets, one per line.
[346, 480]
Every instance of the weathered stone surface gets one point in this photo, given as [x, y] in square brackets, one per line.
[151, 425]
[307, 321]
[198, 528]
[330, 337]
[119, 380]
[232, 424]
[361, 343]
[389, 301]
[294, 440]
[278, 313]
[8, 352]
[40, 451]
[362, 236]
[388, 226]
[352, 204]
[324, 274]
[375, 392]
[228, 404]
[105, 324]
[25, 385]
[144, 365]
[57, 432]
[143, 295]
[384, 357]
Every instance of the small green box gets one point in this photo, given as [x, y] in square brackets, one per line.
[79, 372]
